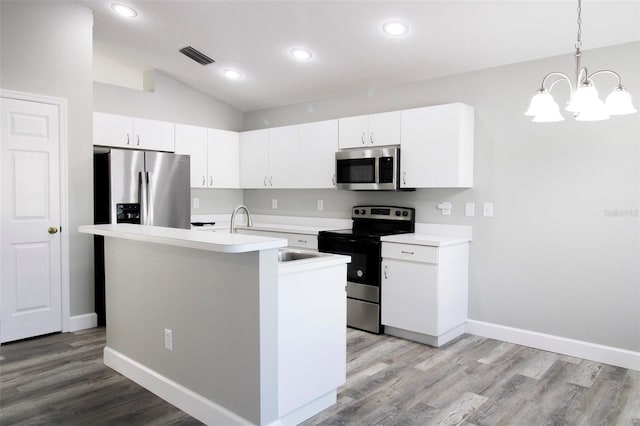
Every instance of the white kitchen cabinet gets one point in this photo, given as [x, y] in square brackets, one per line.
[132, 132]
[370, 130]
[437, 147]
[192, 141]
[424, 293]
[223, 159]
[318, 146]
[284, 160]
[254, 159]
[214, 156]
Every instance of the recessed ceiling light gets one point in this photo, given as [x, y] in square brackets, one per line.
[231, 74]
[123, 10]
[395, 28]
[301, 54]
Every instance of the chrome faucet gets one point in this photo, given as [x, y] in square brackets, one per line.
[233, 217]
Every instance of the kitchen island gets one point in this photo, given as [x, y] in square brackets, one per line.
[215, 324]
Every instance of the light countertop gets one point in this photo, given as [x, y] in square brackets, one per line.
[223, 242]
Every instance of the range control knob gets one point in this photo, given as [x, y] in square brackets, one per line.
[362, 211]
[405, 213]
[398, 213]
[356, 211]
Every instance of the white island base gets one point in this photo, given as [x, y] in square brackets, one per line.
[253, 341]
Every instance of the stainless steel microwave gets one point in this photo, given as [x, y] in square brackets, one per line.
[368, 169]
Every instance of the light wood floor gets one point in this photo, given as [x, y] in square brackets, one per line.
[60, 379]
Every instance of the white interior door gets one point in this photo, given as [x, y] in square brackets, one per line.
[30, 289]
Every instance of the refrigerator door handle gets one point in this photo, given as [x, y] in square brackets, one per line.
[142, 197]
[149, 199]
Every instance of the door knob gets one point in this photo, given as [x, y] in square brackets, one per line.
[52, 230]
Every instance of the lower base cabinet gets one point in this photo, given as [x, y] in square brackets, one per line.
[424, 294]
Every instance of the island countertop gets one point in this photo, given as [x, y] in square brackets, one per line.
[222, 242]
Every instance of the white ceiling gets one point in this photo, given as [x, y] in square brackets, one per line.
[350, 51]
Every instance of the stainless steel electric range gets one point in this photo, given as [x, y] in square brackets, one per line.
[362, 243]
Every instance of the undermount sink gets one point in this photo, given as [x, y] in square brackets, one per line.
[285, 255]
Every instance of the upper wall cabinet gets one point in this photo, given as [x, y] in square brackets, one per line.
[437, 147]
[318, 146]
[370, 130]
[192, 141]
[254, 159]
[223, 158]
[214, 156]
[131, 132]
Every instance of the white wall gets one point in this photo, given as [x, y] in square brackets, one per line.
[167, 99]
[561, 255]
[46, 48]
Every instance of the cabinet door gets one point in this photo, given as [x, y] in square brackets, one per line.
[284, 157]
[437, 147]
[384, 129]
[353, 132]
[112, 130]
[192, 141]
[254, 159]
[154, 134]
[409, 296]
[318, 146]
[223, 159]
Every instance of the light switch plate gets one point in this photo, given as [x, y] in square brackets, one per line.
[320, 205]
[196, 203]
[168, 339]
[274, 203]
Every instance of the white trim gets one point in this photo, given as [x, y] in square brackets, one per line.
[576, 348]
[61, 103]
[82, 322]
[188, 401]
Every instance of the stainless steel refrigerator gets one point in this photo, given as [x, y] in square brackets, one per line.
[143, 187]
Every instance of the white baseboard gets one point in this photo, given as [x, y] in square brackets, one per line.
[576, 348]
[188, 401]
[82, 322]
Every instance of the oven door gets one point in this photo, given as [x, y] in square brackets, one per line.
[363, 273]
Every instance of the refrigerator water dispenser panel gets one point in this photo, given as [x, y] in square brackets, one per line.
[128, 213]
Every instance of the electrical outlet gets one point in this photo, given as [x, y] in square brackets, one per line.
[320, 205]
[487, 209]
[196, 203]
[470, 209]
[274, 203]
[168, 339]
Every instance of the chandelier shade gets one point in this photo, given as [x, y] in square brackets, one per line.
[585, 103]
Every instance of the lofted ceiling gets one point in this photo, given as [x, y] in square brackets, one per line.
[350, 52]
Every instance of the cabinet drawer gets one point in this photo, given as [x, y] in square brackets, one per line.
[303, 241]
[411, 252]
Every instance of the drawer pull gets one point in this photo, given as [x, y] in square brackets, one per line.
[302, 241]
[386, 274]
[408, 252]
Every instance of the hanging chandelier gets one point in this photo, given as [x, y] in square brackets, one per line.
[584, 103]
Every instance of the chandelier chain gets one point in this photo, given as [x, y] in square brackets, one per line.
[579, 39]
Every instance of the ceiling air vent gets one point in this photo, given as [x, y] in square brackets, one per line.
[196, 55]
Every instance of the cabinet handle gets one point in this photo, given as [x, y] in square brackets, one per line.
[302, 241]
[138, 139]
[128, 139]
[270, 180]
[408, 252]
[210, 180]
[265, 181]
[386, 274]
[404, 178]
[362, 139]
[333, 179]
[371, 137]
[204, 181]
